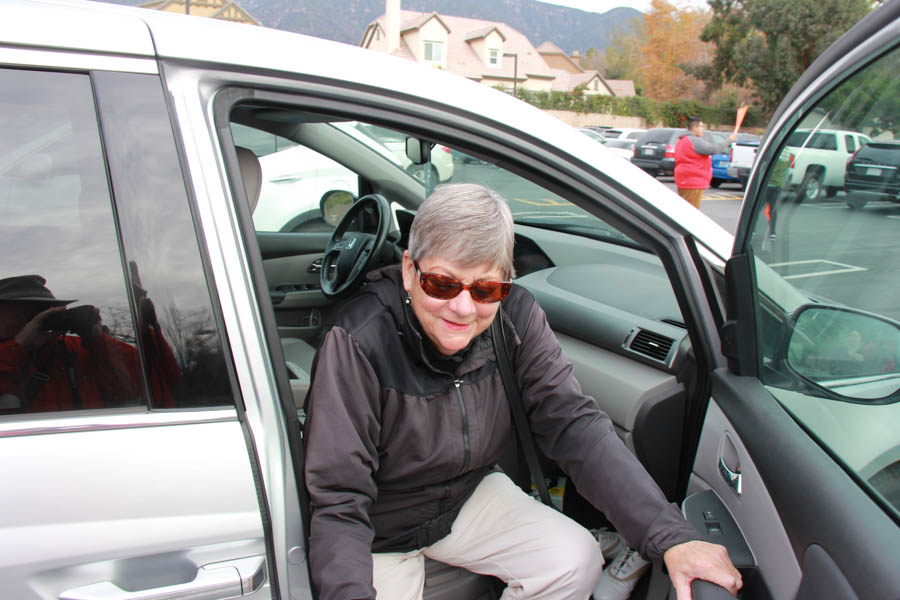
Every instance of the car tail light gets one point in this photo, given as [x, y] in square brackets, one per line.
[792, 160]
[445, 149]
[670, 151]
[852, 156]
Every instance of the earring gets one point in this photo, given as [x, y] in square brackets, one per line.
[408, 300]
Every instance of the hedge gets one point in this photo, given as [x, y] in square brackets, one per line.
[672, 113]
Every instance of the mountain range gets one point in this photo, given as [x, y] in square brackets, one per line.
[346, 20]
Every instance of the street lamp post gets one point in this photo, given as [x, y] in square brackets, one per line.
[515, 58]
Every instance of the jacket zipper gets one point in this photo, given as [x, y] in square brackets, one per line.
[465, 419]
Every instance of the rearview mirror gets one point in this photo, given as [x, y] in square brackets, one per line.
[847, 352]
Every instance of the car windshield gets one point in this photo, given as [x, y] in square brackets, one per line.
[342, 155]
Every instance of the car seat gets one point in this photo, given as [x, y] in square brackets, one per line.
[298, 354]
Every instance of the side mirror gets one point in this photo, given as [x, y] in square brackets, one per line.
[334, 205]
[417, 151]
[847, 352]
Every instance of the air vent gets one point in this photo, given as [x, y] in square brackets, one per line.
[674, 322]
[651, 344]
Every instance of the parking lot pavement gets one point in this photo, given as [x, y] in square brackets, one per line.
[721, 204]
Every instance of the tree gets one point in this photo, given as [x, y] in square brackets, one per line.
[671, 46]
[767, 44]
[623, 55]
[592, 60]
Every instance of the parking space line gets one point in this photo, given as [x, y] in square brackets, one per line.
[843, 205]
[551, 215]
[843, 268]
[714, 198]
[545, 202]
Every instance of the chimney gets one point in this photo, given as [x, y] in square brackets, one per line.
[392, 18]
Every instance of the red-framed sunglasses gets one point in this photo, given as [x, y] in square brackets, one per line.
[444, 287]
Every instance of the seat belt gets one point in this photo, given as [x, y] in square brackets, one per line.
[517, 408]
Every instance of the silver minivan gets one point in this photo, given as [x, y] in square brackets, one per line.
[151, 443]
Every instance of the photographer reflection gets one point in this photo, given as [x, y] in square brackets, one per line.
[57, 359]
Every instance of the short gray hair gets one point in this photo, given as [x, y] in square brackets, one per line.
[466, 223]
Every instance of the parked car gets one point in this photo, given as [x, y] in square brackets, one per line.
[819, 160]
[624, 148]
[619, 147]
[623, 133]
[741, 157]
[755, 379]
[720, 162]
[654, 150]
[873, 173]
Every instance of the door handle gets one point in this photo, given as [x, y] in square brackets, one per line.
[215, 581]
[729, 455]
[734, 479]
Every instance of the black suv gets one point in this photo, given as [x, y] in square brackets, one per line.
[873, 172]
[654, 151]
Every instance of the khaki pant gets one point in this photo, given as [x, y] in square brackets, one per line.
[694, 196]
[501, 531]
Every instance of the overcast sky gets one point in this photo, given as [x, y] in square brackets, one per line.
[605, 5]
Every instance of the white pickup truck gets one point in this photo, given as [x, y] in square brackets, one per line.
[743, 153]
[819, 160]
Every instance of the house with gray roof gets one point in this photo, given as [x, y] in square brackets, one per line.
[489, 52]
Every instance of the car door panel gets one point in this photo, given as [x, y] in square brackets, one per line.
[812, 499]
[98, 501]
[291, 262]
[768, 543]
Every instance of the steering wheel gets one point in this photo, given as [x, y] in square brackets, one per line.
[349, 255]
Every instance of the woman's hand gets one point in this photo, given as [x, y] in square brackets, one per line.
[700, 560]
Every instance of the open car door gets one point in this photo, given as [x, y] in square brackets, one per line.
[798, 465]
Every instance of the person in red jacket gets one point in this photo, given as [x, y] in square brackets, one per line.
[693, 165]
[43, 368]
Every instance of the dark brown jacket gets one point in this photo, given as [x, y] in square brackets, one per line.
[397, 437]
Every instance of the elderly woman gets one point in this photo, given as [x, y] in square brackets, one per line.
[408, 418]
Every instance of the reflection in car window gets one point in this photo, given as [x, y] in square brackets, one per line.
[59, 247]
[825, 242]
[179, 341]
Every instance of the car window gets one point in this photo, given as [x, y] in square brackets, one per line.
[797, 139]
[294, 180]
[180, 344]
[879, 153]
[823, 141]
[827, 279]
[850, 141]
[138, 327]
[59, 238]
[532, 204]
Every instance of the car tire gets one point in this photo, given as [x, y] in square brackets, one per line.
[418, 171]
[715, 183]
[856, 202]
[811, 188]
